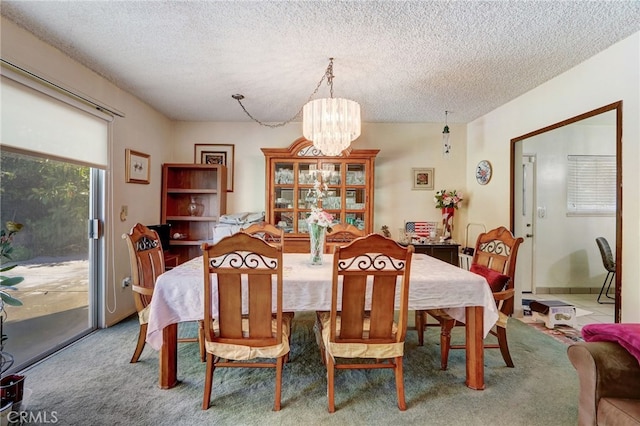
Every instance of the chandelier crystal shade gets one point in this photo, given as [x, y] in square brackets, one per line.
[331, 124]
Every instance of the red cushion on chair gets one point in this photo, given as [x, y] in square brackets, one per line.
[496, 280]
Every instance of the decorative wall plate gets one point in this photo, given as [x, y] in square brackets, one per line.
[483, 172]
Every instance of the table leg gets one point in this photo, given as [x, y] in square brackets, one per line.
[169, 357]
[474, 347]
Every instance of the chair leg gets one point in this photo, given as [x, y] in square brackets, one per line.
[317, 328]
[330, 383]
[279, 364]
[607, 283]
[201, 340]
[420, 320]
[446, 325]
[504, 347]
[402, 405]
[142, 335]
[208, 382]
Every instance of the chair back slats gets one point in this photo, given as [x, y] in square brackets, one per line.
[353, 307]
[260, 302]
[382, 307]
[230, 306]
[246, 269]
[341, 234]
[370, 270]
[266, 231]
[147, 262]
[498, 250]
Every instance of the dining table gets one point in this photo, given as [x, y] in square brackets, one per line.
[434, 284]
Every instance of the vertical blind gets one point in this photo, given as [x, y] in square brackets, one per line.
[591, 184]
[41, 122]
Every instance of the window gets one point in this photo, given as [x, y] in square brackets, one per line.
[591, 185]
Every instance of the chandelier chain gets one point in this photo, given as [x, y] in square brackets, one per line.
[328, 74]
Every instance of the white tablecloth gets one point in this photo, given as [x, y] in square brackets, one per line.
[178, 295]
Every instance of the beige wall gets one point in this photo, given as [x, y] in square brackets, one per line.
[612, 75]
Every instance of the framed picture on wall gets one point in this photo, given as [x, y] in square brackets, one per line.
[216, 154]
[422, 178]
[138, 167]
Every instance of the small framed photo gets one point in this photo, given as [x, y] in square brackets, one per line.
[138, 167]
[422, 178]
[216, 154]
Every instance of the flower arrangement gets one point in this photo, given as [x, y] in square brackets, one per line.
[444, 198]
[319, 217]
[317, 193]
[319, 221]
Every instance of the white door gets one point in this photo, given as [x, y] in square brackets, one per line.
[525, 225]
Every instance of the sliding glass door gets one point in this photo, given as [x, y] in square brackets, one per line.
[53, 201]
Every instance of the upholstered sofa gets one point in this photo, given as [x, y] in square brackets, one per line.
[609, 377]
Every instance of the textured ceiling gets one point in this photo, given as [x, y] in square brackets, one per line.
[402, 61]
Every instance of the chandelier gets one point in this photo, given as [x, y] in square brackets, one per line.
[330, 123]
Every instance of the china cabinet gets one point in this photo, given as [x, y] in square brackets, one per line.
[193, 198]
[290, 177]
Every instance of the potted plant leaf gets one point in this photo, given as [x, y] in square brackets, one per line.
[11, 386]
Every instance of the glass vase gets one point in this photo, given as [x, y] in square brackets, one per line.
[194, 208]
[316, 241]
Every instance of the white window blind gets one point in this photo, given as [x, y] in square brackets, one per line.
[38, 122]
[591, 185]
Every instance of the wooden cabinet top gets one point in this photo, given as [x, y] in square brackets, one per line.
[302, 148]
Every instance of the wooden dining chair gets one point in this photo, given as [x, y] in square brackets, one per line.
[147, 263]
[243, 326]
[340, 235]
[361, 321]
[268, 232]
[494, 258]
[274, 236]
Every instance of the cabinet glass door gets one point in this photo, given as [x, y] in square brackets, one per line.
[284, 174]
[303, 227]
[356, 219]
[332, 199]
[331, 173]
[305, 199]
[356, 174]
[355, 198]
[283, 198]
[307, 173]
[284, 220]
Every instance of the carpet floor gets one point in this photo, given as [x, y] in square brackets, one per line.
[92, 382]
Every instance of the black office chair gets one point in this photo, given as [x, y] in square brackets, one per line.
[609, 265]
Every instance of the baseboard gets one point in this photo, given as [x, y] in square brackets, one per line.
[567, 290]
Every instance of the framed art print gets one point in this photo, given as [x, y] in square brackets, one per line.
[137, 166]
[216, 154]
[422, 178]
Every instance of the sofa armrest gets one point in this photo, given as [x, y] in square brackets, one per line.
[605, 369]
